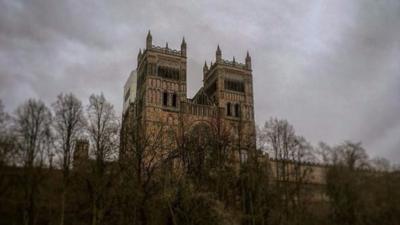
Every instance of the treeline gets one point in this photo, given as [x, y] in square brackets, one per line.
[191, 178]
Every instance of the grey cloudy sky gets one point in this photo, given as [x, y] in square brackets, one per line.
[332, 68]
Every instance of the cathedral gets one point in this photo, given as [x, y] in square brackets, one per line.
[156, 95]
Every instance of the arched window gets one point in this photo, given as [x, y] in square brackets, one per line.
[174, 100]
[165, 99]
[237, 110]
[228, 109]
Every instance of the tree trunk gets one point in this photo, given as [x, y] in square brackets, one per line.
[62, 215]
[94, 212]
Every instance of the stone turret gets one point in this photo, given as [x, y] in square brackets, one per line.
[183, 47]
[81, 153]
[149, 40]
[218, 55]
[248, 61]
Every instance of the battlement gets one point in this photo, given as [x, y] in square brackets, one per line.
[230, 64]
[166, 50]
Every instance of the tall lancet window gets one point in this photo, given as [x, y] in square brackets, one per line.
[174, 100]
[228, 109]
[165, 99]
[237, 110]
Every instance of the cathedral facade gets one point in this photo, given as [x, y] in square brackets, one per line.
[224, 103]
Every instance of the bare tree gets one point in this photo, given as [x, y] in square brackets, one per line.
[146, 157]
[344, 180]
[381, 164]
[6, 147]
[68, 123]
[5, 136]
[32, 123]
[4, 118]
[290, 154]
[207, 161]
[102, 130]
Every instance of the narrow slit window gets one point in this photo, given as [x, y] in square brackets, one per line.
[237, 110]
[228, 109]
[165, 99]
[174, 100]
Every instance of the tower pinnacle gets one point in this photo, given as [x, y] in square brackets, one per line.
[149, 40]
[139, 54]
[248, 61]
[205, 67]
[218, 54]
[183, 47]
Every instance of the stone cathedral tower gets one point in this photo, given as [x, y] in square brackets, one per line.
[225, 100]
[161, 80]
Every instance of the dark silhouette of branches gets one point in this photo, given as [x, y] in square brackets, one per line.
[69, 123]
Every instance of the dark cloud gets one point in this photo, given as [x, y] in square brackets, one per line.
[331, 68]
